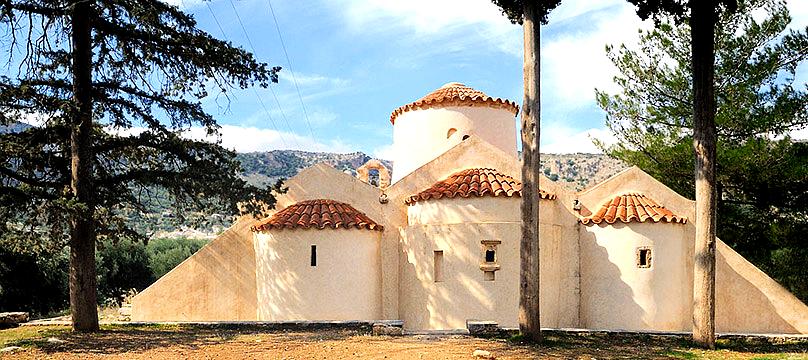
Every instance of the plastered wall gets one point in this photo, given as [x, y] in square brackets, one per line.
[345, 284]
[215, 284]
[589, 275]
[458, 227]
[747, 300]
[419, 136]
[617, 293]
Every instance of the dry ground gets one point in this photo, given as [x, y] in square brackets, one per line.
[175, 342]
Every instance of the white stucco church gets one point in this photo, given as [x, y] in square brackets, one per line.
[436, 243]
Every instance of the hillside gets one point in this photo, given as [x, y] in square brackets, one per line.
[13, 127]
[267, 167]
[580, 171]
[575, 171]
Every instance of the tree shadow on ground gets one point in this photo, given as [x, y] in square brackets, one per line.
[120, 340]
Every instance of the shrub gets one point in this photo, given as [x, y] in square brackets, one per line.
[121, 267]
[165, 254]
[33, 282]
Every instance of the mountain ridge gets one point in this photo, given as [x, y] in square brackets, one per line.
[574, 171]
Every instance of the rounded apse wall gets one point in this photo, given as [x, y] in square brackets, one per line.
[311, 274]
[635, 277]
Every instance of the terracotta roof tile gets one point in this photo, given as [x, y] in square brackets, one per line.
[474, 182]
[318, 214]
[633, 207]
[455, 94]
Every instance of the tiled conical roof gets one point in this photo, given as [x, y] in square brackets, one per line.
[474, 182]
[633, 207]
[454, 94]
[318, 214]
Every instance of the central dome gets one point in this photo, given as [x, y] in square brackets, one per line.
[455, 94]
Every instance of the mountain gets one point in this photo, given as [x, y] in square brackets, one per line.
[580, 171]
[262, 168]
[13, 127]
[574, 171]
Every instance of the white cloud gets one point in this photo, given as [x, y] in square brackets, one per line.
[559, 139]
[453, 25]
[801, 134]
[384, 152]
[425, 17]
[312, 79]
[799, 14]
[36, 119]
[574, 62]
[249, 139]
[184, 4]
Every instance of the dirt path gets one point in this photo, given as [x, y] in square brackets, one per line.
[162, 342]
[229, 345]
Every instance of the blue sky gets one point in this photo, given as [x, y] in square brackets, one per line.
[356, 61]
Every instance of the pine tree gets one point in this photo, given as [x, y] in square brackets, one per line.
[703, 17]
[113, 85]
[762, 174]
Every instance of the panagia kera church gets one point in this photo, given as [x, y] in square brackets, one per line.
[437, 243]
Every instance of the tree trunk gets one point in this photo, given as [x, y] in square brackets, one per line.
[529, 323]
[82, 228]
[702, 28]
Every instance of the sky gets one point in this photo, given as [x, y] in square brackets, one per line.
[347, 64]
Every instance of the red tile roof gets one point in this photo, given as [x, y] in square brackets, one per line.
[318, 214]
[633, 207]
[474, 182]
[455, 94]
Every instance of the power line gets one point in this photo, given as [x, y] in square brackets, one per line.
[260, 100]
[274, 95]
[271, 89]
[294, 80]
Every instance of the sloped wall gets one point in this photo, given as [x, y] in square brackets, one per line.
[215, 284]
[747, 300]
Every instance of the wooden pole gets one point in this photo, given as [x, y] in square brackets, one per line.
[529, 323]
[702, 32]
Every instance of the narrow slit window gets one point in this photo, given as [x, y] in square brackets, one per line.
[438, 265]
[644, 258]
[490, 256]
[314, 255]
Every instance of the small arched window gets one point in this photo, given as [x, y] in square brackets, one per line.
[450, 132]
[465, 137]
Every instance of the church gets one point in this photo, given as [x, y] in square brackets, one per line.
[435, 243]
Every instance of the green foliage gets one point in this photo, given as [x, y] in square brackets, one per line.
[762, 173]
[37, 282]
[674, 9]
[151, 67]
[165, 254]
[33, 282]
[513, 9]
[121, 267]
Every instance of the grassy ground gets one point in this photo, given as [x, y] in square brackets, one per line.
[167, 342]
